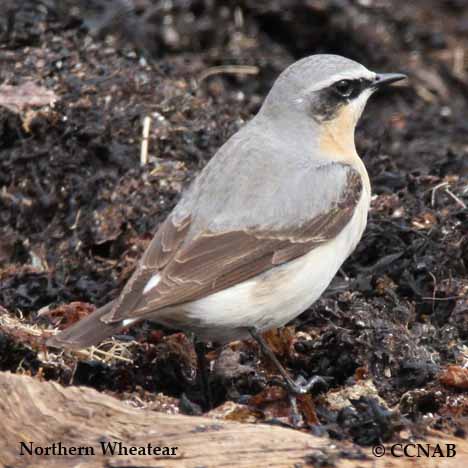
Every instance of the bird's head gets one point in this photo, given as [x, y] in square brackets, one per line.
[329, 90]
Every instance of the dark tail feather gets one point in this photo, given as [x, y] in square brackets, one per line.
[87, 332]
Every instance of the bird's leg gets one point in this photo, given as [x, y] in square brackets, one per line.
[202, 374]
[299, 387]
[295, 416]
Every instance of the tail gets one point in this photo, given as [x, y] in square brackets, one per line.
[87, 332]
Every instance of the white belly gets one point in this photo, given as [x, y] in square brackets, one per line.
[273, 298]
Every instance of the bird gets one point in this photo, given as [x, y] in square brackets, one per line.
[260, 233]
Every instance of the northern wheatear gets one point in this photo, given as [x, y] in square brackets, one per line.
[266, 225]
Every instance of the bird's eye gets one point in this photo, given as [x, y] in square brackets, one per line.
[344, 88]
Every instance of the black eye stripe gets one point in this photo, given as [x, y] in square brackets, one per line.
[326, 102]
[349, 89]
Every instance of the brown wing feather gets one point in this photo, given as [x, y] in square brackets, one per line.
[161, 250]
[194, 268]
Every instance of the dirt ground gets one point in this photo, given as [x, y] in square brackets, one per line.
[77, 208]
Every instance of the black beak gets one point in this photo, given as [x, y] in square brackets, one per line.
[384, 79]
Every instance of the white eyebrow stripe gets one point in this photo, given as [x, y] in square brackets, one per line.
[356, 74]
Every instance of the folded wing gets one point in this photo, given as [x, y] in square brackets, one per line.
[192, 263]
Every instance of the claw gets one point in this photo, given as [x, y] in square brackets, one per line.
[297, 387]
[301, 386]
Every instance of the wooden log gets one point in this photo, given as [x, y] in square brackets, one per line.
[36, 415]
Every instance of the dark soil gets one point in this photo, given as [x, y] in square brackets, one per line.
[77, 209]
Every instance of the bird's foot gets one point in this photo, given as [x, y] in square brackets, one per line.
[300, 386]
[296, 388]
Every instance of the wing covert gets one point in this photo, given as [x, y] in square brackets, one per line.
[193, 263]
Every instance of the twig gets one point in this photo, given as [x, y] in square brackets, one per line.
[424, 93]
[448, 298]
[434, 190]
[100, 352]
[77, 219]
[457, 200]
[434, 291]
[230, 69]
[93, 353]
[459, 62]
[239, 18]
[145, 141]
